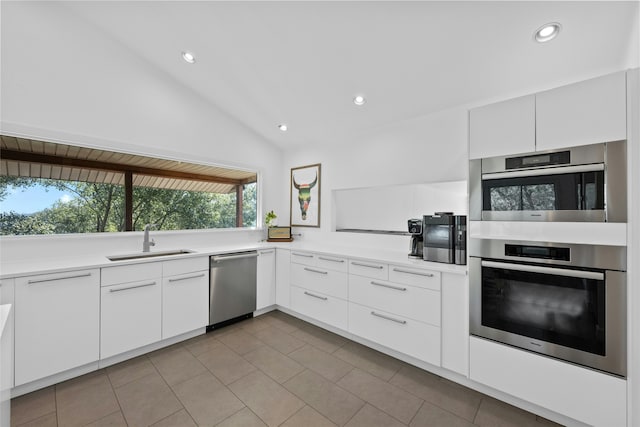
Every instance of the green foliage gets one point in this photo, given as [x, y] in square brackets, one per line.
[100, 208]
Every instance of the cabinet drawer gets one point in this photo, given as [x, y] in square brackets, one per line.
[304, 258]
[407, 301]
[321, 280]
[408, 336]
[332, 263]
[131, 273]
[375, 270]
[322, 307]
[415, 277]
[186, 265]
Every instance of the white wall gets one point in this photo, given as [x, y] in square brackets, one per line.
[54, 93]
[432, 148]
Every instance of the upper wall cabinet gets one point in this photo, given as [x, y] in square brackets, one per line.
[583, 113]
[503, 128]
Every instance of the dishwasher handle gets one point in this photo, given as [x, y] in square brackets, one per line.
[228, 257]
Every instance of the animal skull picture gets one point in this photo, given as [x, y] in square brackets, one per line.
[304, 195]
[305, 186]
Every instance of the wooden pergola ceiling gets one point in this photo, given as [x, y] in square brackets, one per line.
[39, 159]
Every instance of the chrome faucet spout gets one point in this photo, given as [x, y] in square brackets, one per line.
[146, 244]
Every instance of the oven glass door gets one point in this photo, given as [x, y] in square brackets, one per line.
[556, 308]
[572, 191]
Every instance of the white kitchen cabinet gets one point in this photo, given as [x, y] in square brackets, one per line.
[131, 315]
[331, 262]
[582, 113]
[323, 307]
[396, 332]
[318, 279]
[185, 296]
[57, 323]
[301, 257]
[503, 128]
[411, 301]
[283, 265]
[373, 269]
[7, 308]
[455, 323]
[583, 394]
[266, 280]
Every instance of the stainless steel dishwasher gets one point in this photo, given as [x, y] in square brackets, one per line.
[232, 287]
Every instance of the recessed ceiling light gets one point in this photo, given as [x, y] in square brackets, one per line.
[359, 100]
[547, 32]
[189, 57]
[283, 127]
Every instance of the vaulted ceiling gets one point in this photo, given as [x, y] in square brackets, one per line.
[301, 63]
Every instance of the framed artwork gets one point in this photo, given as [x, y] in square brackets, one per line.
[305, 196]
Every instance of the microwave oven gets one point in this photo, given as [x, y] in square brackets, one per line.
[586, 183]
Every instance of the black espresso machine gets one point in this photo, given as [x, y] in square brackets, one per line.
[445, 238]
[416, 244]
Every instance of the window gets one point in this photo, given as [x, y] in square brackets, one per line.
[76, 190]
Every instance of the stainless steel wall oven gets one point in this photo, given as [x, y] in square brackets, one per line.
[586, 183]
[563, 300]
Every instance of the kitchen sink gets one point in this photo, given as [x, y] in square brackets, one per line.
[140, 255]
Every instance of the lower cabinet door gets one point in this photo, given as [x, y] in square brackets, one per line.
[408, 336]
[131, 316]
[319, 306]
[185, 303]
[57, 323]
[580, 393]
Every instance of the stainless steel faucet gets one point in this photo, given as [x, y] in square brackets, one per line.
[146, 244]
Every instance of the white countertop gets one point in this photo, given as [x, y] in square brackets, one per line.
[66, 263]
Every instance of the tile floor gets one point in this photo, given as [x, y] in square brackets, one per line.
[273, 370]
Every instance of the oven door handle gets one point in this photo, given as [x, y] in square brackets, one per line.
[544, 171]
[545, 270]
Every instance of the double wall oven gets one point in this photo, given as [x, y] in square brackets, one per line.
[563, 300]
[560, 299]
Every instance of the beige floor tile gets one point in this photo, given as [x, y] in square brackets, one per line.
[255, 324]
[278, 339]
[286, 323]
[147, 400]
[241, 341]
[494, 413]
[369, 416]
[325, 397]
[454, 398]
[225, 364]
[266, 398]
[114, 420]
[130, 370]
[433, 416]
[33, 405]
[207, 400]
[321, 362]
[243, 418]
[273, 363]
[308, 417]
[50, 420]
[367, 359]
[179, 419]
[178, 365]
[201, 344]
[85, 400]
[387, 397]
[320, 338]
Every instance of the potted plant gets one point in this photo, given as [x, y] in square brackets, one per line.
[270, 219]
